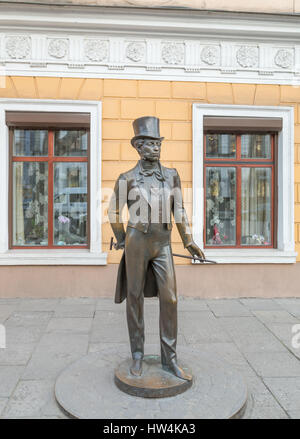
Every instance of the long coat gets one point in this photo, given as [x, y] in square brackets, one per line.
[121, 288]
[134, 181]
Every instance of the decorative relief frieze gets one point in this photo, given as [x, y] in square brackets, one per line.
[96, 50]
[247, 56]
[58, 47]
[210, 55]
[18, 46]
[284, 58]
[172, 53]
[135, 51]
[149, 57]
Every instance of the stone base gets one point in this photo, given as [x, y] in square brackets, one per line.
[154, 381]
[86, 389]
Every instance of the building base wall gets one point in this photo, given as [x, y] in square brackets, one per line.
[222, 281]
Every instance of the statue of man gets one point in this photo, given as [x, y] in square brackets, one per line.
[151, 192]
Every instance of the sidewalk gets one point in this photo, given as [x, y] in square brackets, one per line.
[45, 335]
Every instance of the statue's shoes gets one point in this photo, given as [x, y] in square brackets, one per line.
[136, 367]
[177, 370]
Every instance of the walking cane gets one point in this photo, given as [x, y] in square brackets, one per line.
[194, 258]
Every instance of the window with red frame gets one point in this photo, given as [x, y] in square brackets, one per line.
[239, 182]
[49, 187]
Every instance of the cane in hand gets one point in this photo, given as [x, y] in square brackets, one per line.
[194, 258]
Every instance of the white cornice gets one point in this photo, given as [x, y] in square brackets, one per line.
[147, 43]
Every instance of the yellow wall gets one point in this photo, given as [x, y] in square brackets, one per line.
[125, 100]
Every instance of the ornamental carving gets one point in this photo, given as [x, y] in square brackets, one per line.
[173, 53]
[135, 51]
[58, 48]
[284, 58]
[210, 55]
[18, 47]
[247, 56]
[96, 50]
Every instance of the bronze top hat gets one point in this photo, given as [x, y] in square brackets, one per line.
[147, 126]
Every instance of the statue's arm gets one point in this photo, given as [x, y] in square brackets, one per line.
[115, 208]
[182, 221]
[179, 212]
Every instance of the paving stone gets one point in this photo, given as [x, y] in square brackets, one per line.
[225, 307]
[286, 390]
[5, 312]
[202, 327]
[38, 304]
[16, 354]
[268, 412]
[21, 334]
[109, 326]
[70, 324]
[294, 414]
[27, 319]
[53, 353]
[228, 352]
[29, 398]
[109, 304]
[9, 376]
[190, 304]
[283, 331]
[3, 402]
[250, 335]
[291, 305]
[74, 310]
[274, 364]
[78, 301]
[276, 316]
[260, 304]
[10, 301]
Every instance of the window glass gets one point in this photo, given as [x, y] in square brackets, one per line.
[30, 143]
[220, 206]
[70, 203]
[256, 146]
[256, 206]
[70, 143]
[30, 203]
[220, 145]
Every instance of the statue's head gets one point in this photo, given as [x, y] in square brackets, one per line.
[147, 140]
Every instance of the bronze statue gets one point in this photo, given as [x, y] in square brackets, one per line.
[151, 192]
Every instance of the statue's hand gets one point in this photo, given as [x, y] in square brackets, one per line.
[195, 250]
[120, 245]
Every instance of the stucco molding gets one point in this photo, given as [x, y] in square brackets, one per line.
[154, 44]
[92, 256]
[285, 251]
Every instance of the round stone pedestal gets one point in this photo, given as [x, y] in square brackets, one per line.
[86, 388]
[155, 382]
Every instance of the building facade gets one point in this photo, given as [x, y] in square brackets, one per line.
[226, 87]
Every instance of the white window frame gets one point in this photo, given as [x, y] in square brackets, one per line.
[91, 256]
[285, 251]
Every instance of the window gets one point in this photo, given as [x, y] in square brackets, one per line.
[239, 171]
[243, 177]
[49, 182]
[36, 136]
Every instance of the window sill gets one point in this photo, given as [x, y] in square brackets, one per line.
[52, 257]
[251, 256]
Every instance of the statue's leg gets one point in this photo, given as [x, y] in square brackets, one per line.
[136, 267]
[163, 267]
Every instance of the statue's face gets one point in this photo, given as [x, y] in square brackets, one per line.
[149, 149]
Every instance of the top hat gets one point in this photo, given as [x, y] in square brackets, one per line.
[148, 127]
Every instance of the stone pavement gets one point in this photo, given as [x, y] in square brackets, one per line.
[45, 335]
